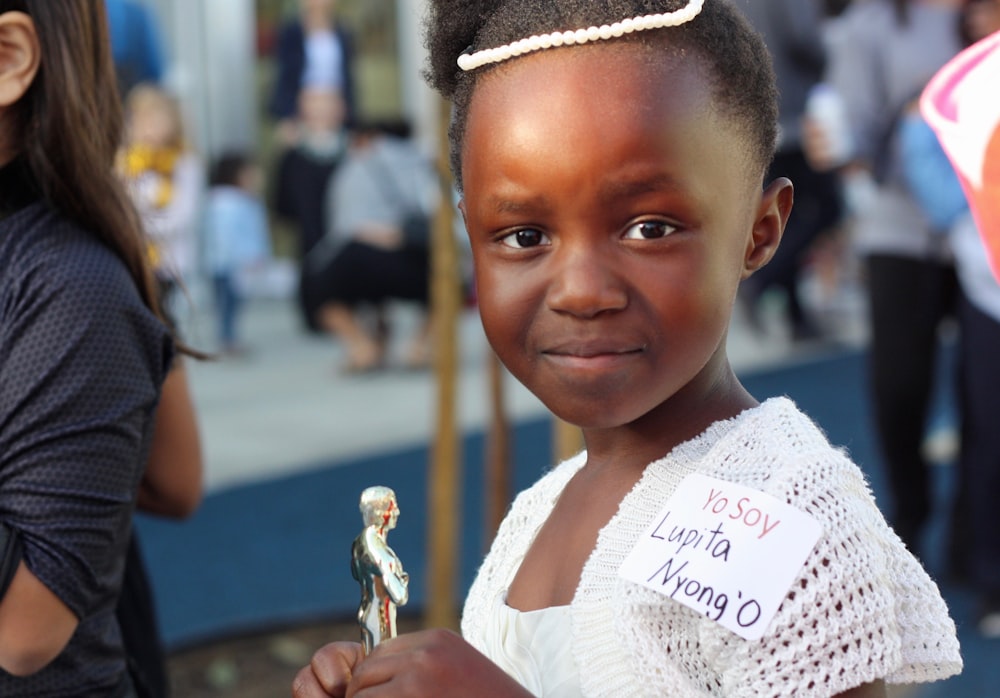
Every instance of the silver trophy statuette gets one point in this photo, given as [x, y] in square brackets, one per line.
[377, 569]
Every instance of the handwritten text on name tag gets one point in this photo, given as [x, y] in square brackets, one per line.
[725, 550]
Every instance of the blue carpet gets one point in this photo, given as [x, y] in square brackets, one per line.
[277, 553]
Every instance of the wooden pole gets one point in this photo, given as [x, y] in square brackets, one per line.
[497, 495]
[444, 474]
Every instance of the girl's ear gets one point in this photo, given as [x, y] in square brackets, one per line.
[769, 224]
[20, 55]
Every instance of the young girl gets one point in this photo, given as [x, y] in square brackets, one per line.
[236, 237]
[82, 354]
[613, 193]
[166, 179]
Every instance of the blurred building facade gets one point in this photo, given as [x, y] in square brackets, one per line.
[220, 64]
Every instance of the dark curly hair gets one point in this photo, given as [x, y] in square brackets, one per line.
[738, 61]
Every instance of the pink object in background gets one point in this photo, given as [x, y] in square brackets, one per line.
[962, 104]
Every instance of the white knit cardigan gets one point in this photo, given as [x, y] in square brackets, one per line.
[862, 607]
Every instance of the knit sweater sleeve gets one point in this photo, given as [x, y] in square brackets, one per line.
[862, 607]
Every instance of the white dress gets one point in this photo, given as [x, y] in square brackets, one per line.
[534, 648]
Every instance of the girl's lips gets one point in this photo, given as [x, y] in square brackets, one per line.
[588, 349]
[592, 356]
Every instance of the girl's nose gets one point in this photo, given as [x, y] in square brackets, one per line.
[585, 282]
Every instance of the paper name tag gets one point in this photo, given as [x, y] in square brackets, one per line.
[725, 550]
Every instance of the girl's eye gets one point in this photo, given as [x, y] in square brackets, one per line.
[527, 237]
[649, 230]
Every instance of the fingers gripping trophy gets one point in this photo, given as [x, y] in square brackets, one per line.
[377, 569]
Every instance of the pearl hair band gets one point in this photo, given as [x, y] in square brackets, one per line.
[499, 54]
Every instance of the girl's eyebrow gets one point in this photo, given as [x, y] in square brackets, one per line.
[626, 188]
[518, 205]
[615, 189]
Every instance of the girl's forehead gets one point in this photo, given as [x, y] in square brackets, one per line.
[593, 117]
[152, 109]
[637, 75]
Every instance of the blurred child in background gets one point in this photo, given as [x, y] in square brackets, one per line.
[166, 178]
[236, 238]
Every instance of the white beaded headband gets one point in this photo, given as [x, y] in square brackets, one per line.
[471, 61]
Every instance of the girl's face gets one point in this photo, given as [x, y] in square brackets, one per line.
[251, 179]
[610, 212]
[154, 125]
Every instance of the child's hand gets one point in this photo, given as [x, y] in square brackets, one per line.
[429, 663]
[329, 671]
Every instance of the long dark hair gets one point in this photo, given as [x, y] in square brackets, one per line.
[69, 127]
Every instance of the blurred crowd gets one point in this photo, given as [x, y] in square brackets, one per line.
[356, 195]
[873, 186]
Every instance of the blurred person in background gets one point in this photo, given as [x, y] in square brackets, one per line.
[381, 200]
[979, 389]
[165, 176]
[974, 551]
[884, 53]
[301, 177]
[792, 30]
[237, 239]
[313, 51]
